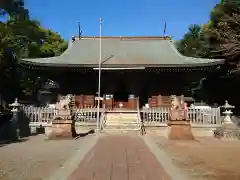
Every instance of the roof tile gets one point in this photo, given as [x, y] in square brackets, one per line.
[122, 52]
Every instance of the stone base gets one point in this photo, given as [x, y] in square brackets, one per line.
[62, 129]
[180, 130]
[227, 132]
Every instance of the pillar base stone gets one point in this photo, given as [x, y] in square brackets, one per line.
[180, 130]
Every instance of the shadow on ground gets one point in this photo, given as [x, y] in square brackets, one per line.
[7, 142]
[78, 135]
[14, 128]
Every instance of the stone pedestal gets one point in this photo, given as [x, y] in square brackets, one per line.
[62, 126]
[15, 119]
[227, 132]
[180, 130]
[179, 123]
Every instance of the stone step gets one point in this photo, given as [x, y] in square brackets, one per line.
[121, 122]
[121, 116]
[121, 128]
[121, 125]
[122, 132]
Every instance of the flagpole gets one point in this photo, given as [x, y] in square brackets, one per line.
[99, 73]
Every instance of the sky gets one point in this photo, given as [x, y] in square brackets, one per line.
[120, 17]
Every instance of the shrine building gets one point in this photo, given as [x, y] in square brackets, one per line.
[147, 68]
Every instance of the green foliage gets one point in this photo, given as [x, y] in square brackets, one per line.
[14, 9]
[217, 39]
[193, 44]
[223, 32]
[52, 44]
[21, 37]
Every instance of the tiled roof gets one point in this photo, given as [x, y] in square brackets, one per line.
[123, 52]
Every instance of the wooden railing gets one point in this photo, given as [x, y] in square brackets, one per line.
[88, 116]
[37, 116]
[204, 116]
[197, 116]
[155, 116]
[44, 115]
[151, 117]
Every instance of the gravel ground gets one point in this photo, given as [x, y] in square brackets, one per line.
[35, 158]
[205, 158]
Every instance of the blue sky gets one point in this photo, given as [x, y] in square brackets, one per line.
[120, 17]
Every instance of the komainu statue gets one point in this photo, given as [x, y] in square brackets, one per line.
[64, 102]
[178, 109]
[179, 122]
[175, 102]
[62, 125]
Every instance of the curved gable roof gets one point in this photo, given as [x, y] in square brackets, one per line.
[122, 52]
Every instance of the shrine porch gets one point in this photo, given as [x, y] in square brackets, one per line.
[119, 86]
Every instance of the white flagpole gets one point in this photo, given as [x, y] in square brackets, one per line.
[99, 74]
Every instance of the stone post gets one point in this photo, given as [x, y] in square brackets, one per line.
[15, 118]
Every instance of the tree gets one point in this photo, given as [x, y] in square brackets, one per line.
[51, 45]
[223, 31]
[14, 9]
[8, 62]
[217, 39]
[39, 43]
[21, 37]
[192, 43]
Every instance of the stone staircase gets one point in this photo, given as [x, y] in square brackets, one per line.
[117, 121]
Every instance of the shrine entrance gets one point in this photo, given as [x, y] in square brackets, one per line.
[119, 90]
[121, 93]
[125, 89]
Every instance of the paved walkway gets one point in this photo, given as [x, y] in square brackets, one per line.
[119, 158]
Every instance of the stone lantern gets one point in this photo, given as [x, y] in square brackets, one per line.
[15, 118]
[228, 130]
[15, 106]
[227, 113]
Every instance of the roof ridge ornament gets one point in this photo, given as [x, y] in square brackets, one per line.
[79, 31]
